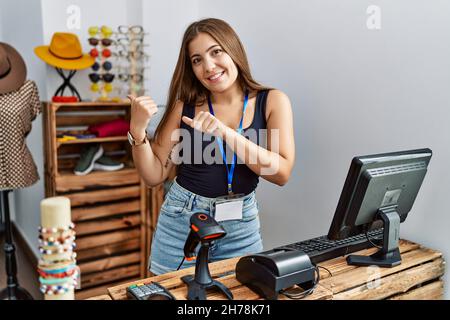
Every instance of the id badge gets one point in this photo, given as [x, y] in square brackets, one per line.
[229, 207]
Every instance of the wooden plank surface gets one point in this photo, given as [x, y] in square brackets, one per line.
[431, 291]
[107, 210]
[97, 196]
[97, 278]
[108, 249]
[419, 266]
[109, 263]
[69, 181]
[101, 290]
[360, 275]
[107, 238]
[110, 224]
[384, 287]
[102, 297]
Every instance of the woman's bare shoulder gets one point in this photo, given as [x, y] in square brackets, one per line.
[277, 101]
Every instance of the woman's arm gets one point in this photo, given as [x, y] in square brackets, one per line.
[274, 163]
[152, 159]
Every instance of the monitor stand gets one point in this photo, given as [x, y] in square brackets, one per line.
[389, 255]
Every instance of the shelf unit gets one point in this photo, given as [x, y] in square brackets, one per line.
[111, 210]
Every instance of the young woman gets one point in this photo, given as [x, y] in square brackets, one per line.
[212, 94]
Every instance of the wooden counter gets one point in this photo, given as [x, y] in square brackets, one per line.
[417, 277]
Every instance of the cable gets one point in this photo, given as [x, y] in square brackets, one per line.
[329, 272]
[370, 241]
[181, 264]
[305, 293]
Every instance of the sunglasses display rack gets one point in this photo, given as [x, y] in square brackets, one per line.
[101, 76]
[131, 60]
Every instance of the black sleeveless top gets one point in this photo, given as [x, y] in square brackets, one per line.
[209, 178]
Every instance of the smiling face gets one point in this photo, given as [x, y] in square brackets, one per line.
[212, 66]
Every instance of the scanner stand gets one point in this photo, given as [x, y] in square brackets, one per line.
[198, 284]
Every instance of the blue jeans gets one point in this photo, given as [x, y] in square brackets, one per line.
[243, 236]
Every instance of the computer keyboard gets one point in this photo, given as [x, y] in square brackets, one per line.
[321, 248]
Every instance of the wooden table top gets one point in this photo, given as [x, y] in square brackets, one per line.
[419, 265]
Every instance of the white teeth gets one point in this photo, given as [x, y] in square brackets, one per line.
[216, 76]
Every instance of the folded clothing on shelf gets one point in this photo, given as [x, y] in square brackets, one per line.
[118, 127]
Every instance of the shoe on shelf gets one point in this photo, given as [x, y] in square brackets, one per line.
[105, 163]
[87, 159]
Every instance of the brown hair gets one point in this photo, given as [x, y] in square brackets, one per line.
[185, 86]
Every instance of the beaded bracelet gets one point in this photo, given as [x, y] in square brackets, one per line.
[60, 270]
[58, 281]
[57, 275]
[62, 273]
[55, 230]
[51, 290]
[51, 241]
[46, 262]
[58, 249]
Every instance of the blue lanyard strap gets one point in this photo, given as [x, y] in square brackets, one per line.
[230, 172]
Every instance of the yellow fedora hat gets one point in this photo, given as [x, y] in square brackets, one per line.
[64, 52]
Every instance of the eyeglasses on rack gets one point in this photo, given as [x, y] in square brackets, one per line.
[105, 31]
[105, 66]
[106, 77]
[106, 53]
[106, 42]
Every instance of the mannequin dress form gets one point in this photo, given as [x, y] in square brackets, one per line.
[17, 168]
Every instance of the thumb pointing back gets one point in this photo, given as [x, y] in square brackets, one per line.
[187, 120]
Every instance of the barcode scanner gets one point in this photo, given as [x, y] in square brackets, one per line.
[204, 230]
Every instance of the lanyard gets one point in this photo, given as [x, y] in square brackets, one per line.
[230, 172]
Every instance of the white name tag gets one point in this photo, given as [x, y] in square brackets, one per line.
[229, 210]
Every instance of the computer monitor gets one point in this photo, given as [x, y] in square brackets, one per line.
[379, 191]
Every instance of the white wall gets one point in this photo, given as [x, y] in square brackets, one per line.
[354, 91]
[165, 21]
[25, 202]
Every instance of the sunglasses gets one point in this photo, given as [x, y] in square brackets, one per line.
[104, 30]
[106, 53]
[105, 65]
[131, 54]
[105, 41]
[106, 77]
[126, 43]
[95, 87]
[135, 30]
[135, 77]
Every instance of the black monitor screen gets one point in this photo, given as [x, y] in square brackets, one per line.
[375, 182]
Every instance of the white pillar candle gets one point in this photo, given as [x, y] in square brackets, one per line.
[55, 212]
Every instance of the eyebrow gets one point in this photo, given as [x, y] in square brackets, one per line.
[214, 45]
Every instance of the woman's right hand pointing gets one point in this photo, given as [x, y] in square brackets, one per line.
[142, 110]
